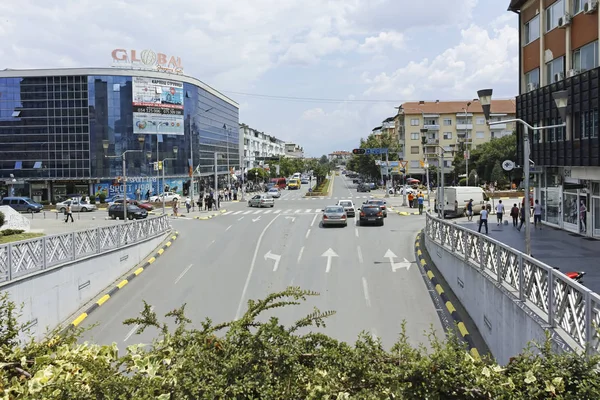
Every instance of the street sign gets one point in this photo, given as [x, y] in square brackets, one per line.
[508, 165]
[466, 155]
[374, 151]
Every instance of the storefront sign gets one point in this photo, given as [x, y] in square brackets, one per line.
[147, 59]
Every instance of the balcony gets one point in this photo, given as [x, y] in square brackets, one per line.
[464, 127]
[388, 125]
[498, 127]
[433, 142]
[432, 127]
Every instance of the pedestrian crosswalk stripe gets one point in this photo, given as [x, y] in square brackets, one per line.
[298, 211]
[228, 212]
[257, 212]
[309, 210]
[237, 212]
[288, 211]
[247, 212]
[268, 211]
[276, 211]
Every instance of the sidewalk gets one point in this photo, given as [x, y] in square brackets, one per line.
[555, 247]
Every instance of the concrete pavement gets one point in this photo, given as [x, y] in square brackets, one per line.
[366, 274]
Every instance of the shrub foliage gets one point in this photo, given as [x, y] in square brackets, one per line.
[249, 359]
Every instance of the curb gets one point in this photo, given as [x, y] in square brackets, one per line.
[404, 213]
[121, 284]
[212, 215]
[440, 291]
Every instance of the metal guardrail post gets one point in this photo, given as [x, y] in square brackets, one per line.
[481, 256]
[73, 246]
[97, 240]
[45, 253]
[499, 263]
[10, 264]
[589, 328]
[521, 279]
[551, 298]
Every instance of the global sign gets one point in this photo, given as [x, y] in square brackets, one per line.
[147, 59]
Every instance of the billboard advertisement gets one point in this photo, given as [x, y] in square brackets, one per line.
[157, 106]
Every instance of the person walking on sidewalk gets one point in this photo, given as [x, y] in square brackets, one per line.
[470, 210]
[483, 220]
[522, 218]
[421, 201]
[188, 204]
[69, 213]
[410, 199]
[499, 212]
[537, 214]
[514, 213]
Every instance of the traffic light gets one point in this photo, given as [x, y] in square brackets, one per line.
[160, 165]
[358, 151]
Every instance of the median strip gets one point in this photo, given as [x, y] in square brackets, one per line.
[203, 218]
[449, 306]
[120, 285]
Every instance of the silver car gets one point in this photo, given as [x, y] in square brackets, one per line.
[274, 192]
[261, 200]
[77, 205]
[334, 215]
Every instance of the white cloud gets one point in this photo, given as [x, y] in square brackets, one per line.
[377, 44]
[479, 60]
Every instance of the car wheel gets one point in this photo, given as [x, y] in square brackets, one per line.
[84, 209]
[272, 205]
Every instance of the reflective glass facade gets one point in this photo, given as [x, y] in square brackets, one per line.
[74, 128]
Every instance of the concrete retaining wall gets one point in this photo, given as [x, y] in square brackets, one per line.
[51, 296]
[505, 323]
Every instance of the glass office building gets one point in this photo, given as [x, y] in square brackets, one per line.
[63, 132]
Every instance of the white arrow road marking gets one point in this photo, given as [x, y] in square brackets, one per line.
[255, 219]
[275, 257]
[400, 265]
[329, 254]
[132, 331]
[292, 218]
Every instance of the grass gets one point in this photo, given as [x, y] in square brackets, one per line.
[20, 236]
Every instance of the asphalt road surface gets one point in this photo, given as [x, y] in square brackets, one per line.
[217, 265]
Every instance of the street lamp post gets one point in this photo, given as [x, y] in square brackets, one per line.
[467, 155]
[441, 198]
[105, 145]
[561, 101]
[424, 133]
[175, 151]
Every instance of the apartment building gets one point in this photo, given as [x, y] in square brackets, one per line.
[559, 51]
[258, 145]
[339, 155]
[451, 125]
[292, 150]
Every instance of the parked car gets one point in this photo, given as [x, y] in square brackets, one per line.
[168, 196]
[261, 200]
[145, 206]
[274, 192]
[116, 211]
[371, 214]
[77, 205]
[348, 207]
[334, 215]
[22, 204]
[362, 188]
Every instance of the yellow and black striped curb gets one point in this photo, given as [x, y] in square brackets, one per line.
[405, 213]
[440, 291]
[121, 284]
[205, 217]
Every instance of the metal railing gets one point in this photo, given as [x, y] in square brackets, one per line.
[561, 301]
[26, 257]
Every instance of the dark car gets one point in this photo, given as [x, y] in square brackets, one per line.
[371, 214]
[116, 211]
[363, 188]
[145, 206]
[380, 203]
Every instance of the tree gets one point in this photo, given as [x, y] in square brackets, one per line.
[253, 358]
[498, 174]
[257, 175]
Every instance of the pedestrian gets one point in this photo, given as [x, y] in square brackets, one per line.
[514, 213]
[582, 217]
[483, 220]
[410, 199]
[421, 201]
[499, 212]
[470, 210]
[188, 204]
[537, 214]
[175, 207]
[69, 214]
[522, 217]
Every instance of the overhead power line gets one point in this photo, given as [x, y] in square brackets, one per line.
[313, 99]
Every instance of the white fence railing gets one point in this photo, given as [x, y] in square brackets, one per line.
[26, 257]
[562, 302]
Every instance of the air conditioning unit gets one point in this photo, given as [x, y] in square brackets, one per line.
[572, 72]
[564, 21]
[590, 6]
[559, 77]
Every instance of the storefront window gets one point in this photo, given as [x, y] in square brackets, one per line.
[596, 208]
[551, 204]
[570, 209]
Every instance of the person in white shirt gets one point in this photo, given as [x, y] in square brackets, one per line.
[537, 214]
[499, 211]
[483, 216]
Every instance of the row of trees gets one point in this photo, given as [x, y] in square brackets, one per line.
[320, 168]
[485, 163]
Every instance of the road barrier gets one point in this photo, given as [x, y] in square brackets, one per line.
[26, 257]
[560, 301]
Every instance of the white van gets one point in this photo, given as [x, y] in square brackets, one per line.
[457, 197]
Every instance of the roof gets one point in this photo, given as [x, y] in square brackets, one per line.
[113, 71]
[456, 107]
[515, 5]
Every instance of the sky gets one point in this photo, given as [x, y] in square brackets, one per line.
[319, 73]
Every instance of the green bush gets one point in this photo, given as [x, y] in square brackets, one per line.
[102, 197]
[260, 358]
[92, 200]
[2, 218]
[8, 232]
[45, 202]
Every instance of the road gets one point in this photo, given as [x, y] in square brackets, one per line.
[217, 265]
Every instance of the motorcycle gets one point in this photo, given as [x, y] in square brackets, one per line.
[577, 276]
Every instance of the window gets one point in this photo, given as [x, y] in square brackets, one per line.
[414, 149]
[532, 80]
[431, 121]
[480, 135]
[554, 68]
[578, 6]
[415, 164]
[414, 136]
[447, 135]
[480, 121]
[586, 57]
[589, 124]
[447, 122]
[414, 122]
[553, 13]
[532, 30]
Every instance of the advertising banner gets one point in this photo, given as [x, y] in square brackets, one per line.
[157, 106]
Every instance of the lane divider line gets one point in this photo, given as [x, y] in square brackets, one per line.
[120, 285]
[449, 306]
